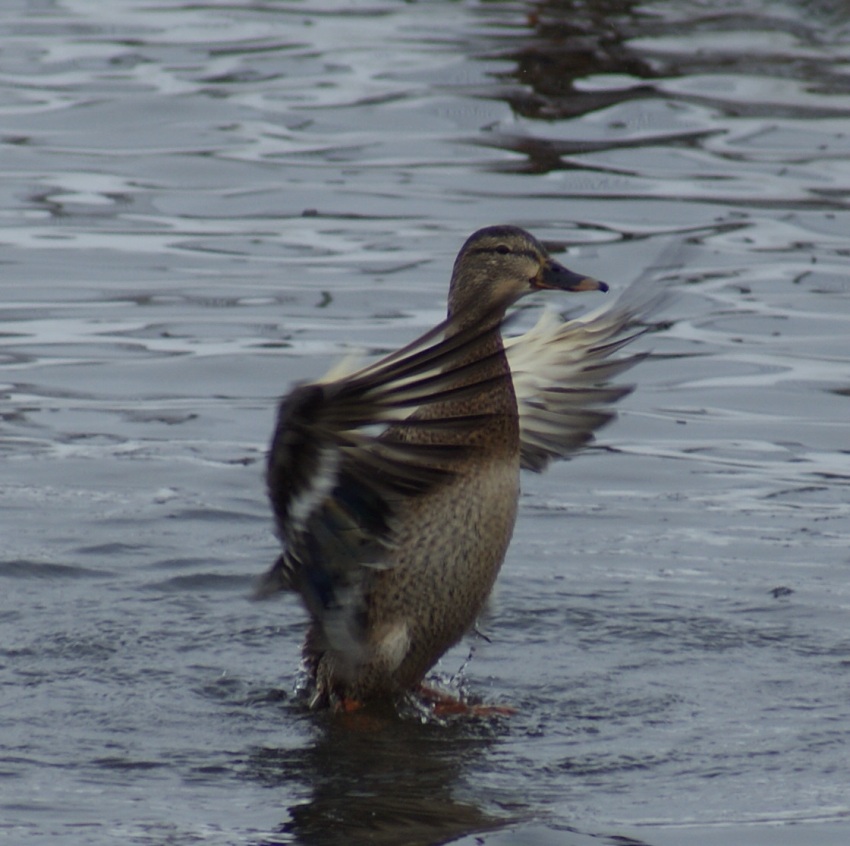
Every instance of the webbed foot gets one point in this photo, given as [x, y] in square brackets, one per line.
[444, 704]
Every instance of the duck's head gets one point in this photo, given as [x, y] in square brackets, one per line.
[498, 265]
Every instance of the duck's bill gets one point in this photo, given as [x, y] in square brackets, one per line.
[554, 276]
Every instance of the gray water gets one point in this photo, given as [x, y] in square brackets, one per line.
[202, 203]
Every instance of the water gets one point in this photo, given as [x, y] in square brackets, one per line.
[204, 202]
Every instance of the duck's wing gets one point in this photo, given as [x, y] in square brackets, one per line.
[561, 372]
[335, 484]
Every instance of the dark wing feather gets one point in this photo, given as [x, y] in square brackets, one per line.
[335, 483]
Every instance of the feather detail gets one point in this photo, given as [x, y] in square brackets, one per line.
[335, 479]
[560, 371]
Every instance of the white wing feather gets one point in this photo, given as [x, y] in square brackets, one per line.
[561, 371]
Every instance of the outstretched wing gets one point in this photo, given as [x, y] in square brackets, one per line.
[561, 372]
[336, 477]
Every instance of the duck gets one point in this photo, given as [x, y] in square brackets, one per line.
[395, 487]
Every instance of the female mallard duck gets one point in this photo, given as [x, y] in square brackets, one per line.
[395, 487]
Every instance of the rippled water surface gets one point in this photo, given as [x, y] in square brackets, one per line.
[204, 202]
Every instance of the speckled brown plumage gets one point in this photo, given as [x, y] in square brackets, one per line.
[393, 539]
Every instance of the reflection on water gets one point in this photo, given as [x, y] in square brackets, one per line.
[377, 779]
[203, 203]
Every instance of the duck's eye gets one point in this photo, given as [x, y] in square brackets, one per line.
[503, 249]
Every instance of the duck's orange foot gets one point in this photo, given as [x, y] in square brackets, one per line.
[444, 704]
[358, 716]
[350, 706]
